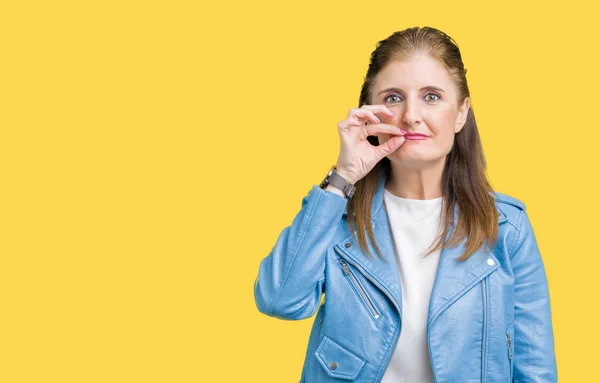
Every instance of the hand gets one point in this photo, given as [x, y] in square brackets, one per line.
[357, 156]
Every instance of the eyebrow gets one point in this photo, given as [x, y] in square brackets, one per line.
[429, 87]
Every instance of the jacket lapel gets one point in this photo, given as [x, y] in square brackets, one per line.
[453, 278]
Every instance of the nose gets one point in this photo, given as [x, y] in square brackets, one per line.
[411, 113]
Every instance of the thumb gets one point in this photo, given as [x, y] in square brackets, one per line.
[389, 146]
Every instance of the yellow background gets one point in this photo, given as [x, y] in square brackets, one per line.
[152, 151]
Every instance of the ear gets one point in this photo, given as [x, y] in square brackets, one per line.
[461, 117]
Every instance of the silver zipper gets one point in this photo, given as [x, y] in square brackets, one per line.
[359, 288]
[391, 298]
[510, 355]
[321, 319]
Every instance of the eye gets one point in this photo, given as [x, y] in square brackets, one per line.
[394, 95]
[435, 94]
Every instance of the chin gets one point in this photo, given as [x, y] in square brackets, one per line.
[411, 157]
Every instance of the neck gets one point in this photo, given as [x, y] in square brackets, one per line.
[416, 182]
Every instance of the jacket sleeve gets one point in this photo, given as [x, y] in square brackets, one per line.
[534, 356]
[290, 279]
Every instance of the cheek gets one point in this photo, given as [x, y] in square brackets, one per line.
[441, 126]
[442, 123]
[444, 138]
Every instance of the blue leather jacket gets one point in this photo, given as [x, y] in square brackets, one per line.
[489, 316]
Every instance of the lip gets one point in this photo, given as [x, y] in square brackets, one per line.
[416, 136]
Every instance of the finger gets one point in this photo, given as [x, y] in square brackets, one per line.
[389, 146]
[347, 124]
[383, 128]
[379, 108]
[354, 121]
[364, 113]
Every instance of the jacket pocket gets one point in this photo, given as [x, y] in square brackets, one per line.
[360, 291]
[337, 361]
[509, 343]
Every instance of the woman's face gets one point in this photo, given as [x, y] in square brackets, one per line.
[423, 96]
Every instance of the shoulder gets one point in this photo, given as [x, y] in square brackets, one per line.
[509, 207]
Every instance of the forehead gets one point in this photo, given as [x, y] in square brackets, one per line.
[413, 72]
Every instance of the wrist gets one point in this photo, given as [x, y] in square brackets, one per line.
[346, 175]
[342, 181]
[334, 190]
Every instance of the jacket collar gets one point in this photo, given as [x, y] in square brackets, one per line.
[453, 279]
[377, 203]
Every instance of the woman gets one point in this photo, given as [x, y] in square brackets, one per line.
[410, 174]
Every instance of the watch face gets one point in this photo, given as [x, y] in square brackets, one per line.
[326, 180]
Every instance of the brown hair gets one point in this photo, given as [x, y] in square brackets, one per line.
[464, 180]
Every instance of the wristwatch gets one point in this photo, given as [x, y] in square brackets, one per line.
[339, 182]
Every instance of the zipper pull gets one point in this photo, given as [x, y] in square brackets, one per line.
[510, 355]
[344, 267]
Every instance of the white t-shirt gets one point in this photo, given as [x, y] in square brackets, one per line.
[414, 224]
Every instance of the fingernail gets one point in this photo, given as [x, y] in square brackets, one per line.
[403, 131]
[376, 119]
[392, 112]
